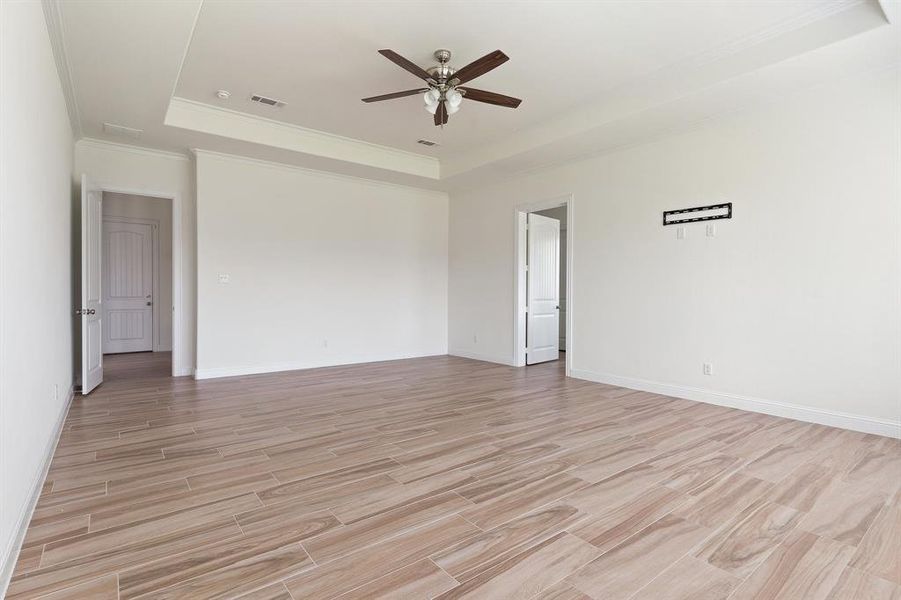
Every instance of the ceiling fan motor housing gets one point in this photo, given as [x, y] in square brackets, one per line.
[442, 72]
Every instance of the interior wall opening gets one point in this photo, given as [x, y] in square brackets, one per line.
[136, 283]
[543, 282]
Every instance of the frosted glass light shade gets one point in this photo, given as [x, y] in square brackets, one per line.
[454, 98]
[431, 97]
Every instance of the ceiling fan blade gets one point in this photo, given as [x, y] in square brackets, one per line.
[394, 95]
[405, 64]
[481, 66]
[441, 114]
[490, 97]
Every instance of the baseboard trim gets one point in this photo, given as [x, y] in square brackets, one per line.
[12, 552]
[797, 412]
[501, 360]
[237, 371]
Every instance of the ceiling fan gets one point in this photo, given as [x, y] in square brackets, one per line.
[443, 96]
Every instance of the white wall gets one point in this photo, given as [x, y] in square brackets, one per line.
[314, 259]
[796, 301]
[126, 168]
[35, 273]
[160, 210]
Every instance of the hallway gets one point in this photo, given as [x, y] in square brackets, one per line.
[136, 366]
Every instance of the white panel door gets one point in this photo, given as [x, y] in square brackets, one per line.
[543, 289]
[562, 311]
[127, 287]
[91, 310]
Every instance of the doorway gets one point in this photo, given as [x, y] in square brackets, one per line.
[543, 282]
[136, 275]
[100, 203]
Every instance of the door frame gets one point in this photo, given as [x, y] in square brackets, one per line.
[519, 279]
[156, 255]
[179, 313]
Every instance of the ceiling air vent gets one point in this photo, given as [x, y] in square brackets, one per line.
[266, 101]
[427, 142]
[122, 130]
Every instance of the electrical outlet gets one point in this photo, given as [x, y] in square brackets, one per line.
[708, 368]
[325, 343]
[711, 230]
[475, 338]
[224, 278]
[680, 233]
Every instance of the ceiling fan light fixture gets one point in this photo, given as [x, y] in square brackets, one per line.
[432, 108]
[451, 108]
[454, 98]
[431, 97]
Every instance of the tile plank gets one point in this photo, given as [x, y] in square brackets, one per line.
[689, 579]
[879, 552]
[480, 552]
[421, 580]
[351, 571]
[747, 539]
[529, 572]
[625, 569]
[804, 565]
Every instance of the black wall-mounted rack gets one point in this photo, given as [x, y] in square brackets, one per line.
[727, 207]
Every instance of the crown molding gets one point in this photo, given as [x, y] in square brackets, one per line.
[184, 54]
[316, 172]
[117, 147]
[61, 58]
[204, 118]
[794, 23]
[891, 10]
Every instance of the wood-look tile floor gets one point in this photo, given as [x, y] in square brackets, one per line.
[450, 478]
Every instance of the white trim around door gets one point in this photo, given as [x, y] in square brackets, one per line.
[179, 311]
[520, 212]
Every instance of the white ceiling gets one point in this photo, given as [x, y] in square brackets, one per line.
[321, 58]
[581, 68]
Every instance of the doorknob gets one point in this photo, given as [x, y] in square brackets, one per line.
[150, 304]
